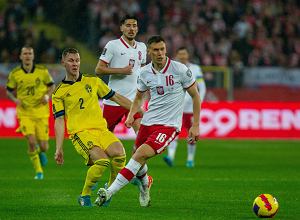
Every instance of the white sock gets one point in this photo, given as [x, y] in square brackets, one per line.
[143, 172]
[191, 152]
[124, 176]
[172, 149]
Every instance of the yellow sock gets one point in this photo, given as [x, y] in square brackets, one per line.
[93, 175]
[117, 164]
[34, 157]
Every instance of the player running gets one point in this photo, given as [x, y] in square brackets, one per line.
[30, 87]
[167, 81]
[76, 101]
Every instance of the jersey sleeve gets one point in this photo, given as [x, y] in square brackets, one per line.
[11, 82]
[107, 53]
[48, 80]
[57, 106]
[201, 83]
[187, 78]
[103, 90]
[141, 86]
[144, 58]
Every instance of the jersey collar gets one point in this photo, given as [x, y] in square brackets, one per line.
[31, 71]
[71, 82]
[164, 69]
[126, 44]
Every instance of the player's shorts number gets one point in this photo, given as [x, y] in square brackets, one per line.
[161, 137]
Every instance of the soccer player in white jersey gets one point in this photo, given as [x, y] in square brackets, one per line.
[167, 81]
[182, 55]
[121, 59]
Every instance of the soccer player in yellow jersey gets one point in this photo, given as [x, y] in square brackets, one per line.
[76, 101]
[30, 87]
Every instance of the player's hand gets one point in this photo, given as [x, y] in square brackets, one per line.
[127, 70]
[45, 99]
[193, 134]
[129, 121]
[59, 156]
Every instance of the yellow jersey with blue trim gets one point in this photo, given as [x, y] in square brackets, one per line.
[30, 87]
[78, 102]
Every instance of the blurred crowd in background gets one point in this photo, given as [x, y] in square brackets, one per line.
[234, 33]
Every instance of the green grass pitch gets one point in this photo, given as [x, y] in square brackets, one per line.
[228, 175]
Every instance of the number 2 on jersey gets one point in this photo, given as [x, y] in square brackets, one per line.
[81, 103]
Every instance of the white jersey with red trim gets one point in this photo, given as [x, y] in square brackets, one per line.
[167, 90]
[188, 101]
[118, 54]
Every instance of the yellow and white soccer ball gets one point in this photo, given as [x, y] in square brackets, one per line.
[265, 206]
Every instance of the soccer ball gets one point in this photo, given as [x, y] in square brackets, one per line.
[265, 206]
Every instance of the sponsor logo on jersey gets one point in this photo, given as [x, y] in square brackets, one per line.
[37, 82]
[88, 88]
[104, 51]
[90, 143]
[131, 62]
[160, 90]
[189, 73]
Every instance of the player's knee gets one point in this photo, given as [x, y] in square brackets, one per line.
[44, 146]
[116, 150]
[102, 162]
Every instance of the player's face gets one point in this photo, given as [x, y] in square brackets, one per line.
[72, 64]
[27, 56]
[129, 29]
[182, 56]
[157, 52]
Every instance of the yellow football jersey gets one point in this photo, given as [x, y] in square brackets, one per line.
[78, 102]
[30, 88]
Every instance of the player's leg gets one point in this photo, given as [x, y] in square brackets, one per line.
[27, 127]
[100, 163]
[42, 134]
[169, 159]
[138, 159]
[34, 156]
[191, 148]
[151, 140]
[86, 144]
[118, 159]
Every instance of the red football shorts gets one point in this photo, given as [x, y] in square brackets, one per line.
[114, 114]
[156, 136]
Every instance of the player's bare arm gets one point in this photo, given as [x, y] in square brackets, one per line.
[59, 127]
[194, 130]
[135, 107]
[103, 69]
[121, 100]
[46, 97]
[12, 97]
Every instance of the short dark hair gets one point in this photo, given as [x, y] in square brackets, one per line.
[66, 51]
[181, 48]
[126, 17]
[155, 39]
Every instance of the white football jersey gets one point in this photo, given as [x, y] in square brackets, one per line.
[118, 54]
[197, 72]
[167, 90]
